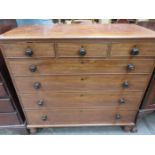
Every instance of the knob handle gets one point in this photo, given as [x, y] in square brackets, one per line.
[82, 51]
[130, 67]
[122, 101]
[134, 51]
[33, 68]
[125, 84]
[40, 102]
[117, 116]
[37, 85]
[44, 117]
[29, 52]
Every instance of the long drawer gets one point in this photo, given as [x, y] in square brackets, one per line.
[81, 83]
[73, 66]
[79, 117]
[9, 119]
[128, 101]
[5, 105]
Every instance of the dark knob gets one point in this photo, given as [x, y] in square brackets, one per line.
[121, 101]
[134, 51]
[44, 117]
[130, 67]
[125, 84]
[40, 103]
[33, 68]
[117, 116]
[37, 85]
[82, 51]
[29, 52]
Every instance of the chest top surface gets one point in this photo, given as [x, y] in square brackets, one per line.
[93, 31]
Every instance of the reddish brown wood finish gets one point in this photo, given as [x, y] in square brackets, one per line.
[71, 117]
[11, 116]
[148, 105]
[81, 83]
[3, 92]
[84, 99]
[5, 105]
[78, 31]
[76, 67]
[80, 90]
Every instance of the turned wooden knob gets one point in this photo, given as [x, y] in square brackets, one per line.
[82, 51]
[37, 85]
[130, 67]
[29, 52]
[134, 51]
[33, 68]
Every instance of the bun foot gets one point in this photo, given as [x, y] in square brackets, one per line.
[132, 128]
[33, 130]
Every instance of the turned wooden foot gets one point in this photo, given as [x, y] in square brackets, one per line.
[33, 130]
[134, 129]
[130, 128]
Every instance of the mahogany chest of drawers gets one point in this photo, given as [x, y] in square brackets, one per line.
[80, 75]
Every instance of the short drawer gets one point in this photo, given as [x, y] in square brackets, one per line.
[81, 50]
[73, 117]
[81, 83]
[128, 101]
[28, 50]
[6, 105]
[133, 49]
[3, 92]
[9, 119]
[63, 66]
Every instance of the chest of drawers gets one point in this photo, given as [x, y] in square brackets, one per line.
[80, 75]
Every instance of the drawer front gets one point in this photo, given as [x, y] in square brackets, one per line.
[124, 49]
[81, 50]
[6, 106]
[28, 50]
[3, 92]
[9, 119]
[129, 101]
[63, 66]
[81, 83]
[79, 116]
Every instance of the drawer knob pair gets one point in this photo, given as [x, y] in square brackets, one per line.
[44, 117]
[29, 52]
[82, 51]
[134, 51]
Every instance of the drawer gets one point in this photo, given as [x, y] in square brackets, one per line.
[73, 117]
[63, 66]
[129, 100]
[3, 92]
[9, 119]
[28, 50]
[125, 49]
[81, 50]
[81, 83]
[5, 105]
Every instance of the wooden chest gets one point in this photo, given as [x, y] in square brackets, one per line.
[80, 75]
